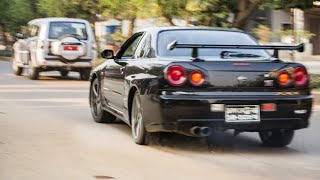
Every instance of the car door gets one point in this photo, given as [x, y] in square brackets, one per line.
[114, 74]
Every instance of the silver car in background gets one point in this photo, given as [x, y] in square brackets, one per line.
[55, 44]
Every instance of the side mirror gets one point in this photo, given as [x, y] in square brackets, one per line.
[19, 36]
[107, 54]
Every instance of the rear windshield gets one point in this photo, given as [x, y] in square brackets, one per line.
[58, 29]
[209, 37]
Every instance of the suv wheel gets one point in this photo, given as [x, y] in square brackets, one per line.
[64, 73]
[85, 74]
[276, 138]
[98, 114]
[33, 72]
[16, 69]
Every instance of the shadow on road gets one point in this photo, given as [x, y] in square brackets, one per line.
[221, 142]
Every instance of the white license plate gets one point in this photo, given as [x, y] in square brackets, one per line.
[242, 113]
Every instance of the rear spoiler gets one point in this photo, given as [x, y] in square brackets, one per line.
[173, 45]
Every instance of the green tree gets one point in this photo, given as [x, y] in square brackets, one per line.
[129, 9]
[13, 14]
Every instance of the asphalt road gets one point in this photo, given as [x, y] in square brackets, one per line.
[46, 132]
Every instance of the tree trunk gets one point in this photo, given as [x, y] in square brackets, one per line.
[3, 36]
[168, 19]
[187, 18]
[246, 8]
[131, 25]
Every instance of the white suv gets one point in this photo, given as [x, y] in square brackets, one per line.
[55, 44]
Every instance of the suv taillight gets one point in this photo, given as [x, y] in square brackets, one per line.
[300, 76]
[176, 75]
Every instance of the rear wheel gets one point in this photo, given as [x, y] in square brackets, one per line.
[33, 72]
[64, 73]
[276, 138]
[139, 132]
[98, 114]
[85, 74]
[16, 69]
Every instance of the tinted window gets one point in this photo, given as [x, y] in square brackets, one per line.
[144, 49]
[205, 37]
[129, 52]
[58, 29]
[33, 30]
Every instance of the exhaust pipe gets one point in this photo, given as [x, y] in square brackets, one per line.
[205, 131]
[196, 130]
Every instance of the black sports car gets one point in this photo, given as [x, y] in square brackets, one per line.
[194, 81]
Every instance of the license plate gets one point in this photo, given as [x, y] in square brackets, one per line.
[70, 48]
[242, 113]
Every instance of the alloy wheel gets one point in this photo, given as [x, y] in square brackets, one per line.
[95, 99]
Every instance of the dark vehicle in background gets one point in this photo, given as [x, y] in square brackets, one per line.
[194, 81]
[55, 44]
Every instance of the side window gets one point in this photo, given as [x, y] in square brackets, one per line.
[129, 52]
[33, 30]
[143, 49]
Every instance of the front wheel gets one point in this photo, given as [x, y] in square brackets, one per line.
[98, 114]
[277, 138]
[16, 69]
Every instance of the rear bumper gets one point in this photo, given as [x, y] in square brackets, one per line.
[56, 64]
[178, 113]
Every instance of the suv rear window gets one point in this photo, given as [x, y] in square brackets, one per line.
[58, 29]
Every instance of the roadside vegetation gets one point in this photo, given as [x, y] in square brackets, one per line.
[315, 81]
[6, 53]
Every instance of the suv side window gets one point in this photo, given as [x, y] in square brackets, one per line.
[130, 50]
[33, 30]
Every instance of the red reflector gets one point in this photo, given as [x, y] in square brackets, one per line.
[268, 107]
[70, 48]
[240, 64]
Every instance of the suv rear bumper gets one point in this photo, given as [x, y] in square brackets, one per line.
[178, 113]
[56, 63]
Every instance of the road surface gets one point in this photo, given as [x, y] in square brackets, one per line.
[46, 132]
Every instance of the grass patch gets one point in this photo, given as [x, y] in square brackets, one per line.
[7, 53]
[98, 62]
[315, 80]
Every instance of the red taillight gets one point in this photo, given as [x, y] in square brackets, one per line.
[284, 78]
[176, 75]
[196, 78]
[300, 76]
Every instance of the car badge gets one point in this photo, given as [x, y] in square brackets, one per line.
[268, 83]
[242, 78]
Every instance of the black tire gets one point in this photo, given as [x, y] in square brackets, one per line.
[33, 72]
[138, 130]
[98, 114]
[85, 74]
[276, 138]
[64, 73]
[16, 69]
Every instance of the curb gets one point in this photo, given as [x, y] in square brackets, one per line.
[4, 58]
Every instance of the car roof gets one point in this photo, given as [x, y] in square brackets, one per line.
[56, 19]
[159, 29]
